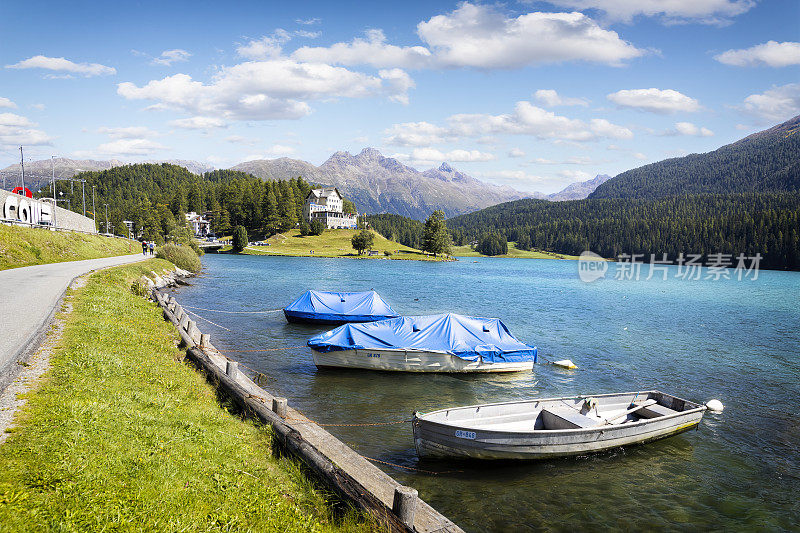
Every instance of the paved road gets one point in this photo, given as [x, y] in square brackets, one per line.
[28, 300]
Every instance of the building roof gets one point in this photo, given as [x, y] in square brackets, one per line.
[324, 193]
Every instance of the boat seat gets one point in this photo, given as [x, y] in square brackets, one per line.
[566, 419]
[653, 411]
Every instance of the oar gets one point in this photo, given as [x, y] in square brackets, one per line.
[629, 411]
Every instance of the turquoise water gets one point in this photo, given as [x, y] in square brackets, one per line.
[737, 341]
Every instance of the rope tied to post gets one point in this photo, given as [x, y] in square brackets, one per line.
[233, 312]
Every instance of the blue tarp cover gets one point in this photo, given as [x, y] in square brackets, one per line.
[341, 305]
[469, 338]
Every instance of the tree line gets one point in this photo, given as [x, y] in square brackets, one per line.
[747, 223]
[156, 197]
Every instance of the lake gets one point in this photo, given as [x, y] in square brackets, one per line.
[736, 341]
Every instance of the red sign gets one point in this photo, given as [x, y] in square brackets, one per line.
[18, 190]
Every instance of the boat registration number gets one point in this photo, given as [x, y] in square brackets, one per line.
[373, 354]
[465, 434]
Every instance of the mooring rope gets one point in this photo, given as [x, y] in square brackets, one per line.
[411, 467]
[263, 349]
[232, 312]
[207, 320]
[309, 421]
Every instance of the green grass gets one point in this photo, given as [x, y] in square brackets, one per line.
[513, 251]
[121, 435]
[20, 246]
[334, 243]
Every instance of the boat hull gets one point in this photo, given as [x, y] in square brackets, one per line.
[301, 317]
[410, 361]
[475, 440]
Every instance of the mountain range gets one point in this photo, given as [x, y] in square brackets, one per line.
[377, 184]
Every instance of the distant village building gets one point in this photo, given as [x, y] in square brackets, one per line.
[326, 205]
[199, 224]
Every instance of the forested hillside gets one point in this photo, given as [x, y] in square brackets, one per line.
[768, 161]
[746, 223]
[156, 196]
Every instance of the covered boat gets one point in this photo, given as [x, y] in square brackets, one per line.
[317, 307]
[436, 343]
[554, 427]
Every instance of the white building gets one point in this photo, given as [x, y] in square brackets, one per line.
[326, 205]
[199, 225]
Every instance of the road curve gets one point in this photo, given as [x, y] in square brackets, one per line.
[28, 300]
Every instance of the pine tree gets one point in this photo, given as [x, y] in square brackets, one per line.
[435, 238]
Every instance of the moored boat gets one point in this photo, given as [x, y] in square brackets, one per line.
[319, 307]
[435, 343]
[554, 427]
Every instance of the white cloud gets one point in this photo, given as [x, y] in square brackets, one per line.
[129, 147]
[198, 123]
[265, 90]
[415, 134]
[245, 141]
[16, 130]
[576, 175]
[687, 128]
[60, 64]
[307, 34]
[280, 150]
[771, 54]
[703, 11]
[371, 51]
[38, 107]
[776, 104]
[398, 83]
[480, 36]
[551, 98]
[168, 57]
[308, 22]
[516, 152]
[640, 156]
[526, 119]
[655, 100]
[130, 132]
[268, 47]
[454, 156]
[603, 128]
[5, 102]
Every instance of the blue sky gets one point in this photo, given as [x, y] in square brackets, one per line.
[530, 94]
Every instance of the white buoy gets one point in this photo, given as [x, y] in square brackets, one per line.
[565, 363]
[715, 406]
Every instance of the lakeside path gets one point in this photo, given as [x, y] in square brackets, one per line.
[29, 297]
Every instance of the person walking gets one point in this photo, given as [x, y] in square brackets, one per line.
[144, 247]
[152, 248]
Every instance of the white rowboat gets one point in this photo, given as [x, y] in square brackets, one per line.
[553, 427]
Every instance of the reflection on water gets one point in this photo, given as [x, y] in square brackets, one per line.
[735, 341]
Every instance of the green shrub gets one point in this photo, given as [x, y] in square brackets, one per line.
[180, 256]
[316, 227]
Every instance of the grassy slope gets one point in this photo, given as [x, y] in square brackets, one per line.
[21, 246]
[467, 251]
[332, 243]
[121, 435]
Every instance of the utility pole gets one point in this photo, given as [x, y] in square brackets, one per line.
[55, 201]
[94, 213]
[83, 193]
[106, 217]
[22, 169]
